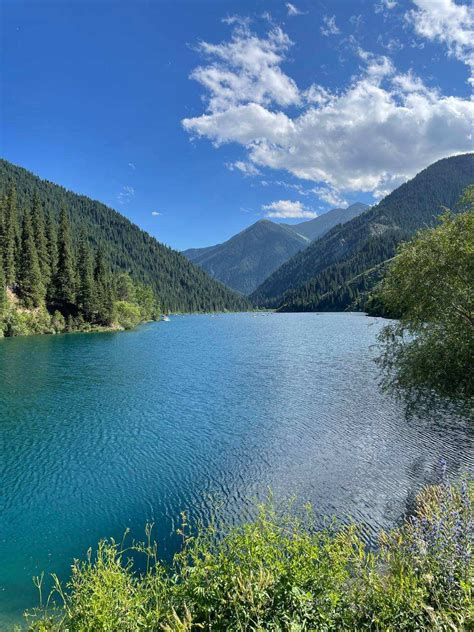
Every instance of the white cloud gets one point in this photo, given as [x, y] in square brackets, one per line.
[330, 27]
[156, 213]
[380, 130]
[393, 44]
[330, 195]
[132, 165]
[449, 23]
[357, 21]
[246, 68]
[126, 194]
[286, 209]
[292, 10]
[385, 5]
[247, 168]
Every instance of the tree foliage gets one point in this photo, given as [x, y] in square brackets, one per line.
[56, 285]
[280, 573]
[178, 285]
[336, 272]
[429, 284]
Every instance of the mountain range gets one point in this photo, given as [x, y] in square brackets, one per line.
[178, 284]
[245, 260]
[336, 271]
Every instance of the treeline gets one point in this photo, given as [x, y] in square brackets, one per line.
[344, 285]
[179, 285]
[49, 284]
[332, 273]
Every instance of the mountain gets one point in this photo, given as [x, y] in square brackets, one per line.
[177, 283]
[335, 271]
[317, 227]
[248, 258]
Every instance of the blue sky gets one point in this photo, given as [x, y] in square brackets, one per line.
[195, 119]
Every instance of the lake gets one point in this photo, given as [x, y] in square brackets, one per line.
[103, 432]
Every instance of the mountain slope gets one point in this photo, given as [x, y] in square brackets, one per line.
[317, 227]
[246, 259]
[331, 273]
[178, 284]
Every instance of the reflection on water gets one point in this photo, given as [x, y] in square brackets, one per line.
[107, 431]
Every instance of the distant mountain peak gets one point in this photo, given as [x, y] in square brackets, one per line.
[338, 269]
[249, 257]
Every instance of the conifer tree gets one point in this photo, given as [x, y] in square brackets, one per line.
[9, 238]
[86, 295]
[65, 275]
[30, 285]
[52, 249]
[39, 231]
[3, 292]
[105, 294]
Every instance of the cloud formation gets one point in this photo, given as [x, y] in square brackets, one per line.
[449, 23]
[247, 168]
[286, 209]
[292, 10]
[329, 26]
[156, 213]
[126, 194]
[379, 131]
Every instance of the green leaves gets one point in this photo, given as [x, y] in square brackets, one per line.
[278, 573]
[429, 284]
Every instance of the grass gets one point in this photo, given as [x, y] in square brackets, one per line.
[280, 573]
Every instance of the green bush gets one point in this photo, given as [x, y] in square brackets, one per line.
[58, 322]
[426, 356]
[17, 322]
[280, 573]
[127, 315]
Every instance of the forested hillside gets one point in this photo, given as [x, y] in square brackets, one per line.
[177, 284]
[249, 257]
[335, 272]
[49, 286]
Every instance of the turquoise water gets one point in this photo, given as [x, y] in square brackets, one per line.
[100, 432]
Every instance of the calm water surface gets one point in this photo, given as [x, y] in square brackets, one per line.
[107, 431]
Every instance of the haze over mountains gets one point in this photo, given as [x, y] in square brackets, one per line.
[336, 271]
[245, 260]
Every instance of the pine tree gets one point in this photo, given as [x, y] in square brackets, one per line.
[65, 275]
[86, 295]
[3, 293]
[105, 294]
[10, 231]
[52, 249]
[39, 231]
[30, 285]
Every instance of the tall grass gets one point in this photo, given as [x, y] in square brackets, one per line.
[280, 573]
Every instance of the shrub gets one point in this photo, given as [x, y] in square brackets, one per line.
[280, 573]
[18, 322]
[127, 315]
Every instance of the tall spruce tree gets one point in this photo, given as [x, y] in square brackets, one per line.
[10, 231]
[39, 231]
[3, 293]
[30, 285]
[52, 248]
[86, 294]
[65, 286]
[105, 293]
